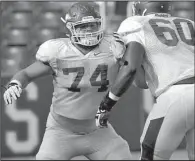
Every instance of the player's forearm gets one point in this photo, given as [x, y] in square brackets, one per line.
[32, 72]
[123, 82]
[133, 57]
[126, 75]
[22, 78]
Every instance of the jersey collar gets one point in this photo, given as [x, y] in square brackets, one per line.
[79, 52]
[158, 15]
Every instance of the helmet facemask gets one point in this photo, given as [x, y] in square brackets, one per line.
[87, 32]
[134, 10]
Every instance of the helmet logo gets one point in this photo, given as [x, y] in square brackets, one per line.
[67, 17]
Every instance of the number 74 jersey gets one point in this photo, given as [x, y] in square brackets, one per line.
[169, 48]
[80, 81]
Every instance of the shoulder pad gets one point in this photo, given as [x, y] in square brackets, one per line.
[130, 25]
[50, 49]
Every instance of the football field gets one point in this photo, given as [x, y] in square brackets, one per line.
[178, 155]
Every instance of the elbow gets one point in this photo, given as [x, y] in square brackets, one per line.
[140, 84]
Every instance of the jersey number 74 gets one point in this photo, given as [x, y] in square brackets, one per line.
[101, 70]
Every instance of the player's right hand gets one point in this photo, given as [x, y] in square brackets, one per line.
[101, 118]
[13, 92]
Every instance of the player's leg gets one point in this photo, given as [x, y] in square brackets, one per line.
[106, 144]
[190, 123]
[56, 144]
[190, 144]
[161, 137]
[165, 127]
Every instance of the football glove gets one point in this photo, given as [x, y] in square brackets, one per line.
[118, 38]
[103, 112]
[102, 117]
[13, 91]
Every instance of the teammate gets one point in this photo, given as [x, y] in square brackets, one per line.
[83, 68]
[160, 51]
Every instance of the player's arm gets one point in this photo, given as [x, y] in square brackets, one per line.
[134, 38]
[36, 70]
[22, 78]
[133, 57]
[139, 80]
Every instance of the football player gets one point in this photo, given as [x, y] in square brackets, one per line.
[83, 67]
[161, 48]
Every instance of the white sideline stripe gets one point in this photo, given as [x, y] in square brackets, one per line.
[180, 154]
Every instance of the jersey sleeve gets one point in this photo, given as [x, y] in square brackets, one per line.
[47, 51]
[110, 44]
[118, 49]
[131, 30]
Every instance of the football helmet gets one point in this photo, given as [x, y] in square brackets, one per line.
[84, 24]
[144, 8]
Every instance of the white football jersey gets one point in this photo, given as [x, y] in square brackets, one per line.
[80, 81]
[169, 48]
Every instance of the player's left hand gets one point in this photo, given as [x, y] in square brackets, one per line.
[119, 46]
[118, 38]
[102, 118]
[13, 91]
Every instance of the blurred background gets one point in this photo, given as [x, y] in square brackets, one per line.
[26, 25]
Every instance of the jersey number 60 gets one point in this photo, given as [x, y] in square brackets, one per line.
[159, 31]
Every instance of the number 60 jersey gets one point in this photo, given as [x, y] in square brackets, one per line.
[80, 81]
[169, 48]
